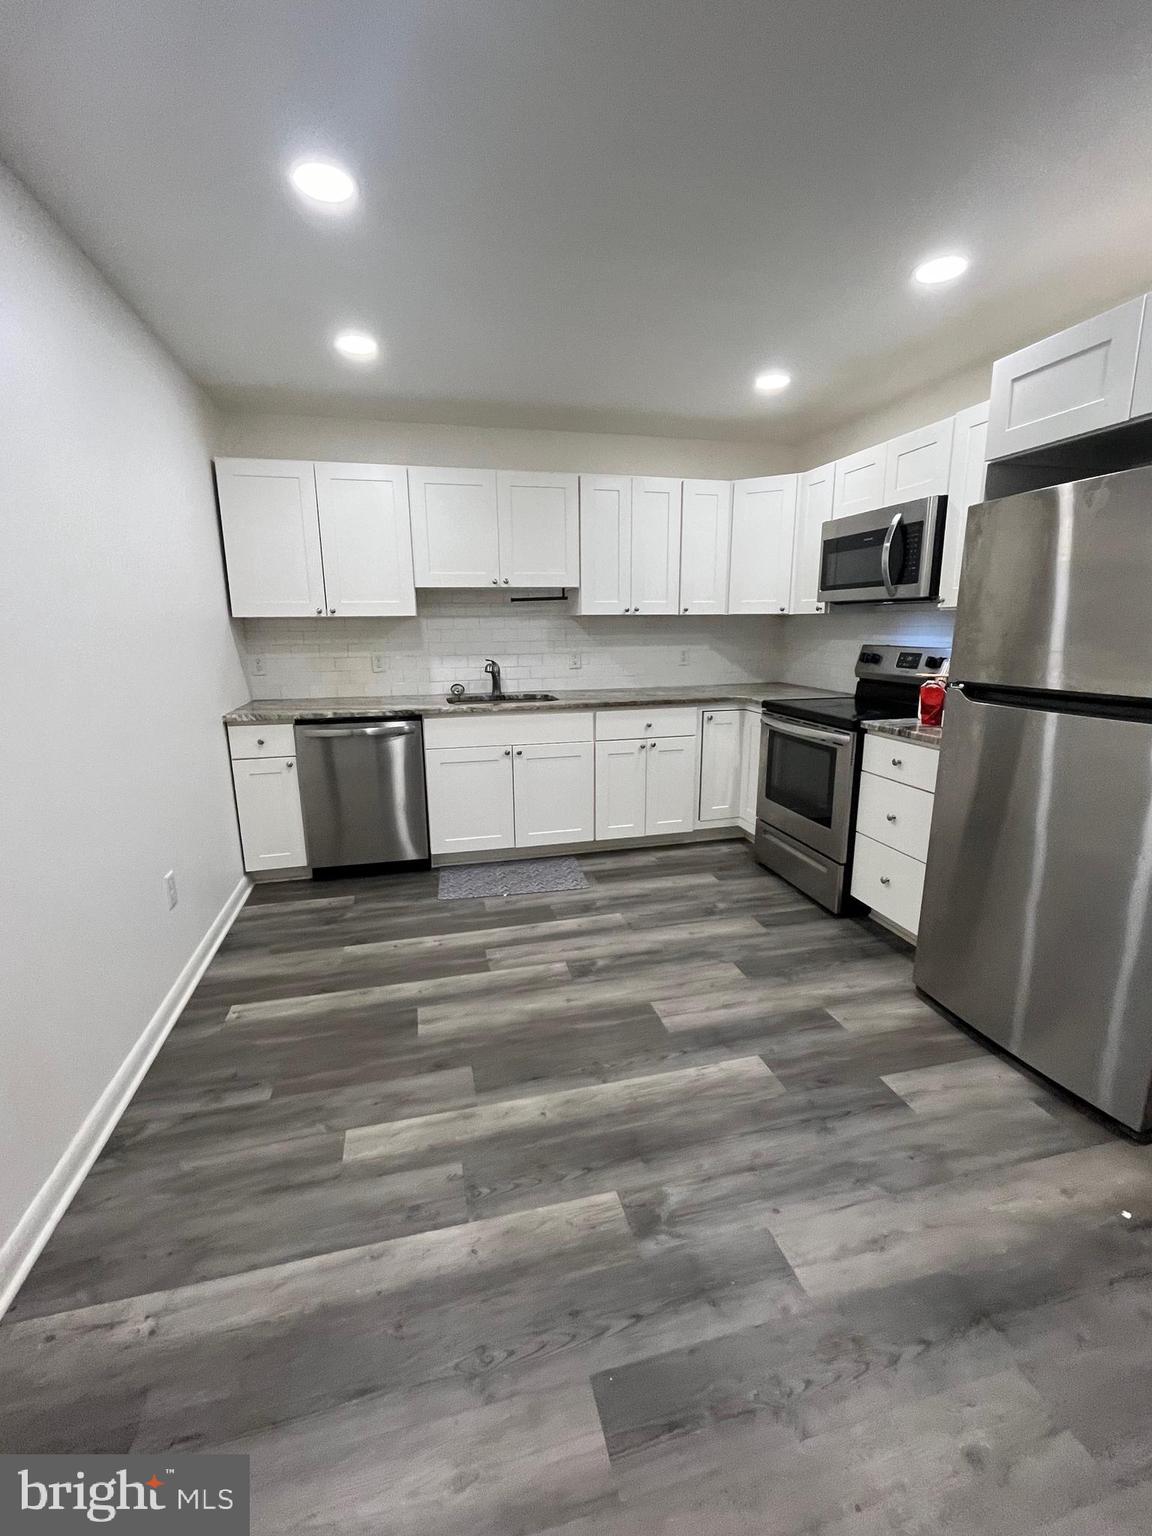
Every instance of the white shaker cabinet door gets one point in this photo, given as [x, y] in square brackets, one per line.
[813, 510]
[605, 544]
[917, 463]
[860, 481]
[554, 787]
[1077, 381]
[366, 538]
[268, 809]
[655, 544]
[749, 768]
[621, 779]
[539, 517]
[469, 798]
[965, 489]
[720, 739]
[705, 538]
[455, 535]
[271, 538]
[763, 533]
[671, 786]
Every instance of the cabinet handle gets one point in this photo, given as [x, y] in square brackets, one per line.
[884, 880]
[891, 816]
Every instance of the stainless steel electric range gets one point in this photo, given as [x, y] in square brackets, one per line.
[810, 768]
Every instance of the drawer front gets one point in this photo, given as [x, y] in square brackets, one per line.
[500, 729]
[636, 724]
[262, 741]
[903, 761]
[898, 815]
[889, 882]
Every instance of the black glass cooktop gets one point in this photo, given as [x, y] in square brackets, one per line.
[848, 711]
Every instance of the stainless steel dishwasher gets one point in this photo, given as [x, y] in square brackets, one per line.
[362, 790]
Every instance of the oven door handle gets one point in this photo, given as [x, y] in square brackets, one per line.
[886, 554]
[808, 733]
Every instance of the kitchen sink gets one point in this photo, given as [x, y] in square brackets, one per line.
[500, 698]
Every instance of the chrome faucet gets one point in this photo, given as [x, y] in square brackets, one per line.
[493, 670]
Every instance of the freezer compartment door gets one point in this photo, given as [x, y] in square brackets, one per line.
[1036, 926]
[1054, 590]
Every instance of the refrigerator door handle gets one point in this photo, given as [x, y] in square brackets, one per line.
[886, 554]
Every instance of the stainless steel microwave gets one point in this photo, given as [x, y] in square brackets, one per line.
[890, 555]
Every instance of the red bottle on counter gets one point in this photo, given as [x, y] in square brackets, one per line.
[932, 696]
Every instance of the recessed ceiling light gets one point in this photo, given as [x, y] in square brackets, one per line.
[772, 381]
[940, 269]
[321, 181]
[358, 346]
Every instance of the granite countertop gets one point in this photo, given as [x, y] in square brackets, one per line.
[906, 730]
[389, 707]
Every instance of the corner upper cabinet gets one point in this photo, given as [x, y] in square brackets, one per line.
[655, 544]
[917, 464]
[763, 535]
[813, 510]
[705, 540]
[1077, 381]
[366, 539]
[539, 528]
[455, 527]
[605, 544]
[271, 535]
[860, 481]
[965, 489]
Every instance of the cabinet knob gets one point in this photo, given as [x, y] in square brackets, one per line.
[495, 581]
[884, 880]
[636, 609]
[519, 751]
[647, 725]
[331, 610]
[684, 609]
[891, 816]
[259, 741]
[505, 581]
[288, 764]
[319, 610]
[651, 746]
[897, 762]
[707, 717]
[783, 609]
[507, 751]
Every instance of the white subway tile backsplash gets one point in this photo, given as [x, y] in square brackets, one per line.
[454, 632]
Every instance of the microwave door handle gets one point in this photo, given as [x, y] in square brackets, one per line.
[886, 554]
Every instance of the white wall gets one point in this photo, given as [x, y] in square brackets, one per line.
[251, 435]
[118, 663]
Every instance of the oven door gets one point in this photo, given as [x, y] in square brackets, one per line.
[886, 556]
[805, 784]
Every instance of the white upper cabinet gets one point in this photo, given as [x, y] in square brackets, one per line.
[539, 529]
[366, 538]
[655, 545]
[705, 538]
[271, 537]
[860, 481]
[605, 544]
[763, 533]
[813, 510]
[1142, 389]
[965, 489]
[455, 527]
[917, 464]
[1077, 381]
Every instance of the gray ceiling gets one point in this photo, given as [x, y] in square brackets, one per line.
[592, 213]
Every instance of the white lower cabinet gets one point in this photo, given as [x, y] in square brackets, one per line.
[893, 822]
[670, 804]
[554, 793]
[621, 794]
[268, 807]
[720, 764]
[470, 804]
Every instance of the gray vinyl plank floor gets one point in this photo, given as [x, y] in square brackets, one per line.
[658, 1207]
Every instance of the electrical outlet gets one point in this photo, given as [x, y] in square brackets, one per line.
[377, 662]
[259, 666]
[575, 661]
[170, 889]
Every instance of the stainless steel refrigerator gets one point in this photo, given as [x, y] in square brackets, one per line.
[1036, 927]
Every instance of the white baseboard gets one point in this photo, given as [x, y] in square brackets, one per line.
[36, 1226]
